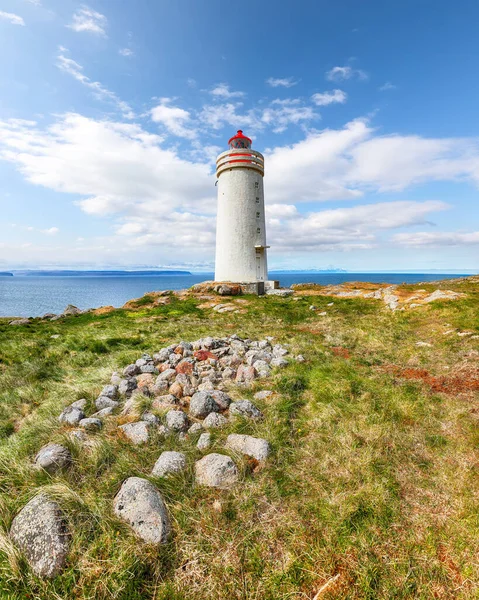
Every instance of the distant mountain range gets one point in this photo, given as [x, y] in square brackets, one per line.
[66, 273]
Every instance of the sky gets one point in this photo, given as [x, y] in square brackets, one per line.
[112, 114]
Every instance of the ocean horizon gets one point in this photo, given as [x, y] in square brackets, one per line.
[35, 295]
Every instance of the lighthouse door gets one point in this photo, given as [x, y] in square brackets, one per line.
[259, 266]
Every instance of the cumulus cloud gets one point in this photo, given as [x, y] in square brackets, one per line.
[331, 97]
[68, 65]
[286, 82]
[173, 118]
[437, 238]
[347, 72]
[281, 113]
[387, 86]
[217, 116]
[89, 20]
[222, 90]
[12, 18]
[125, 52]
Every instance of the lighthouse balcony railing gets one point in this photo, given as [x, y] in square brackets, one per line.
[243, 157]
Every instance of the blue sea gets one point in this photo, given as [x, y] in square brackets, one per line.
[33, 296]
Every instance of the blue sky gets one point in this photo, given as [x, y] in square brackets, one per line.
[112, 113]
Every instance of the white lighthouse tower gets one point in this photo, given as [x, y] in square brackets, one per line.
[240, 223]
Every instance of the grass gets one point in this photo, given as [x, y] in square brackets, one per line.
[371, 490]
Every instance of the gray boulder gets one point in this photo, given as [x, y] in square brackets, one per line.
[215, 421]
[167, 375]
[176, 420]
[53, 458]
[148, 368]
[169, 462]
[202, 404]
[263, 394]
[141, 505]
[138, 433]
[279, 350]
[245, 408]
[131, 370]
[79, 404]
[91, 424]
[72, 310]
[20, 322]
[282, 293]
[105, 402]
[247, 444]
[150, 418]
[195, 428]
[279, 362]
[40, 532]
[104, 412]
[204, 441]
[126, 386]
[216, 470]
[71, 415]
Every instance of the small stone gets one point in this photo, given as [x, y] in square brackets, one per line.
[215, 421]
[229, 373]
[204, 441]
[115, 378]
[279, 350]
[176, 420]
[71, 415]
[245, 374]
[167, 375]
[263, 394]
[185, 367]
[141, 362]
[104, 402]
[104, 412]
[195, 428]
[79, 436]
[137, 433]
[79, 404]
[145, 382]
[169, 462]
[126, 386]
[53, 458]
[245, 408]
[262, 368]
[300, 358]
[72, 310]
[91, 424]
[164, 402]
[110, 391]
[206, 386]
[202, 404]
[149, 369]
[131, 370]
[279, 362]
[216, 470]
[257, 448]
[221, 398]
[176, 389]
[150, 418]
[159, 388]
[141, 505]
[40, 531]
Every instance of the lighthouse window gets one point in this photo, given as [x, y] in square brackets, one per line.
[256, 184]
[257, 215]
[258, 230]
[257, 200]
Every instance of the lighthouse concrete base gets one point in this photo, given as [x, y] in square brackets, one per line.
[236, 288]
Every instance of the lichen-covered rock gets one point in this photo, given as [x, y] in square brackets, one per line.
[215, 421]
[131, 370]
[202, 404]
[53, 458]
[81, 404]
[40, 532]
[279, 362]
[138, 433]
[91, 424]
[204, 441]
[141, 505]
[169, 462]
[104, 412]
[195, 428]
[245, 408]
[126, 386]
[164, 402]
[245, 374]
[176, 420]
[257, 448]
[71, 310]
[216, 470]
[71, 415]
[167, 375]
[110, 391]
[222, 399]
[149, 368]
[104, 402]
[279, 350]
[150, 418]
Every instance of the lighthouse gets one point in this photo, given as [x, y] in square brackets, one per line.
[240, 223]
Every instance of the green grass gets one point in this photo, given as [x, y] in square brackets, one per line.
[372, 479]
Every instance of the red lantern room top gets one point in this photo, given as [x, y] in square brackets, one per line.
[239, 141]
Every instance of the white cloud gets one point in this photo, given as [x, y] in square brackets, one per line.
[35, 2]
[347, 72]
[217, 115]
[330, 97]
[87, 19]
[222, 90]
[125, 52]
[281, 113]
[175, 119]
[286, 82]
[68, 65]
[437, 238]
[387, 86]
[50, 231]
[12, 18]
